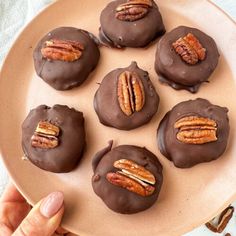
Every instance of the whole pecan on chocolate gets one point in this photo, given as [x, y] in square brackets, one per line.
[45, 136]
[63, 50]
[132, 177]
[222, 222]
[133, 10]
[131, 95]
[196, 130]
[190, 49]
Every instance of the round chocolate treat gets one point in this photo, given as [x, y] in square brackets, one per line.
[185, 58]
[127, 178]
[65, 57]
[54, 138]
[130, 23]
[193, 132]
[126, 98]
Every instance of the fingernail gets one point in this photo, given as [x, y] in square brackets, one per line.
[52, 204]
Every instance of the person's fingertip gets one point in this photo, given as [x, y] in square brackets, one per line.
[52, 204]
[62, 231]
[44, 218]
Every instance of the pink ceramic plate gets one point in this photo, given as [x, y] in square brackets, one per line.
[189, 197]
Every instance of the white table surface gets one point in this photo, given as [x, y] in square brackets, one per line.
[14, 14]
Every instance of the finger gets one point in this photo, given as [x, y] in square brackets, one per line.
[11, 194]
[60, 230]
[44, 218]
[4, 230]
[12, 214]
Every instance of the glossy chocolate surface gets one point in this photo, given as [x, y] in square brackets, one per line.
[177, 73]
[187, 155]
[107, 106]
[63, 75]
[67, 154]
[139, 33]
[117, 198]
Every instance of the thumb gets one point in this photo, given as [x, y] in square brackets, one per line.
[44, 218]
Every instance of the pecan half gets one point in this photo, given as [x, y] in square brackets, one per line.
[129, 184]
[224, 219]
[132, 168]
[63, 50]
[44, 127]
[196, 130]
[190, 49]
[131, 95]
[45, 136]
[132, 177]
[133, 10]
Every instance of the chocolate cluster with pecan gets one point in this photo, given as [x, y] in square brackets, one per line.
[126, 98]
[54, 138]
[185, 58]
[127, 178]
[65, 57]
[193, 132]
[130, 23]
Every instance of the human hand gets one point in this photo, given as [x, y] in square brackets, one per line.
[18, 219]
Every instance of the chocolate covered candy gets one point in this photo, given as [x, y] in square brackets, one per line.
[126, 98]
[127, 178]
[193, 132]
[54, 138]
[185, 58]
[130, 23]
[65, 57]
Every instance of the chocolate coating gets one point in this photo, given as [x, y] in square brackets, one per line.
[107, 106]
[187, 155]
[177, 73]
[117, 198]
[139, 33]
[67, 154]
[63, 75]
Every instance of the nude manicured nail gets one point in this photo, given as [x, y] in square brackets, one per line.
[52, 204]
